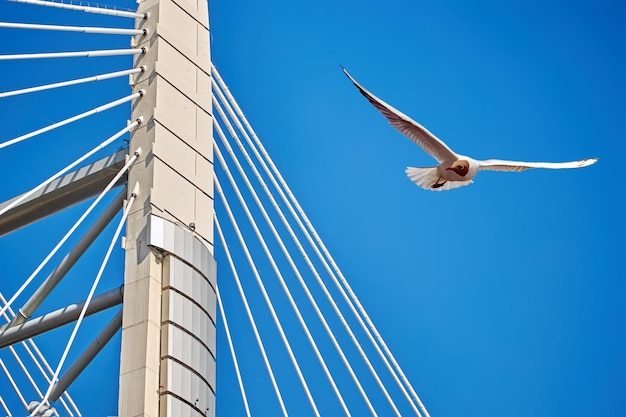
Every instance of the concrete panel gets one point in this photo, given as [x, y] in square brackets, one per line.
[204, 129]
[203, 90]
[175, 111]
[136, 387]
[178, 71]
[145, 295]
[197, 9]
[178, 28]
[132, 360]
[174, 196]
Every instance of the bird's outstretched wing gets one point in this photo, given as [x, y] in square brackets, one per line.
[408, 127]
[515, 166]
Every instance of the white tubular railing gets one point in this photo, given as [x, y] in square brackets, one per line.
[80, 54]
[86, 9]
[81, 29]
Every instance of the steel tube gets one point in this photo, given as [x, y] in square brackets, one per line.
[100, 77]
[88, 54]
[58, 318]
[86, 357]
[69, 260]
[82, 29]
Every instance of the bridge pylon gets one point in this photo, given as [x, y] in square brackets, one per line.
[167, 365]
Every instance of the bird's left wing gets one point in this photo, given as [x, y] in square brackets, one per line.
[408, 127]
[515, 166]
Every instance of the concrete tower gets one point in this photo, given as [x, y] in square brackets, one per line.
[167, 365]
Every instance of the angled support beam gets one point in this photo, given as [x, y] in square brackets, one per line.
[70, 259]
[66, 191]
[58, 318]
[87, 356]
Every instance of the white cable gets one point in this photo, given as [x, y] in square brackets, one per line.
[370, 325]
[105, 261]
[82, 29]
[107, 142]
[71, 119]
[232, 353]
[27, 373]
[317, 276]
[99, 77]
[86, 9]
[13, 384]
[80, 54]
[4, 406]
[48, 380]
[110, 185]
[281, 280]
[297, 273]
[243, 294]
[36, 361]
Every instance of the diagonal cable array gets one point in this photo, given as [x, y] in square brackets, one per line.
[19, 330]
[278, 209]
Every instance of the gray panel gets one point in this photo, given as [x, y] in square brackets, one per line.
[188, 350]
[189, 318]
[183, 383]
[190, 282]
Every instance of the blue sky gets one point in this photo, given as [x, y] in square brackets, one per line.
[502, 298]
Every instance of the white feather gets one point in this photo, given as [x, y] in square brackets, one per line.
[426, 177]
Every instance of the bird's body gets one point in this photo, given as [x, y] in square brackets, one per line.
[453, 170]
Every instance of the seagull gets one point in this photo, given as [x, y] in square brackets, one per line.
[454, 170]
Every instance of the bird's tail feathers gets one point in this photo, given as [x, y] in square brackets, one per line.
[426, 177]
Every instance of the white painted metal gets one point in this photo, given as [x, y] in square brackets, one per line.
[81, 54]
[294, 269]
[82, 29]
[72, 119]
[303, 253]
[100, 77]
[246, 305]
[233, 354]
[39, 360]
[4, 406]
[322, 252]
[276, 270]
[87, 9]
[13, 384]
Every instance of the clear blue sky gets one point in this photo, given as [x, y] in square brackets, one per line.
[504, 298]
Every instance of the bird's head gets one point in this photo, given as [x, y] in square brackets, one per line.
[461, 167]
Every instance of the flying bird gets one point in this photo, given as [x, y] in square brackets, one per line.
[454, 170]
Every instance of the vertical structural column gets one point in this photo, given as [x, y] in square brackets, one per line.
[175, 177]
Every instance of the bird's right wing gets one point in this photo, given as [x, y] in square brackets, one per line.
[408, 127]
[515, 166]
